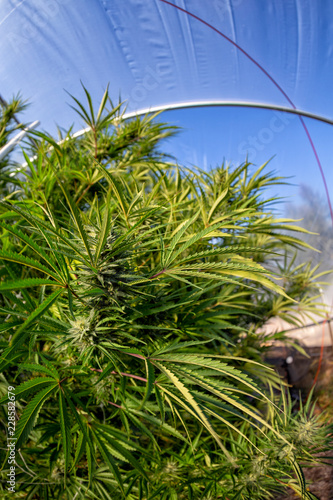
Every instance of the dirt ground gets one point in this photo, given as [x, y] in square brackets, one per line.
[301, 373]
[320, 483]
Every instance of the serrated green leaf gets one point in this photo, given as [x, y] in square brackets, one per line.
[45, 228]
[26, 261]
[28, 387]
[105, 230]
[27, 283]
[37, 313]
[90, 463]
[178, 233]
[29, 242]
[169, 429]
[69, 395]
[216, 204]
[150, 375]
[116, 188]
[30, 413]
[160, 402]
[9, 325]
[65, 430]
[124, 453]
[77, 219]
[50, 366]
[109, 460]
[193, 407]
[80, 447]
[33, 367]
[22, 333]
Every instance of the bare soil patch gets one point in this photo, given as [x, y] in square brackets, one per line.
[301, 373]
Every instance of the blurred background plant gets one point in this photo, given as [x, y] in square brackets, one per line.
[9, 123]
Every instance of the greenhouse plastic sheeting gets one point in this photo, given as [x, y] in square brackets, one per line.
[157, 53]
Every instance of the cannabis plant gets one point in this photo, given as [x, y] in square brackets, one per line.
[131, 293]
[9, 125]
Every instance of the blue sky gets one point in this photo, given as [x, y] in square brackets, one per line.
[274, 52]
[211, 135]
[208, 136]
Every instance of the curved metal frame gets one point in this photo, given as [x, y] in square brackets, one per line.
[203, 104]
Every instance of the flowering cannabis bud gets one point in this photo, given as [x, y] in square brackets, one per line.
[82, 331]
[82, 336]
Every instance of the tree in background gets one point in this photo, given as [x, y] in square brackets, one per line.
[313, 214]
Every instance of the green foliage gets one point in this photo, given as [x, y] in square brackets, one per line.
[9, 125]
[131, 291]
